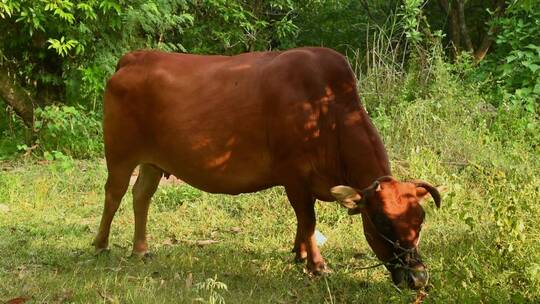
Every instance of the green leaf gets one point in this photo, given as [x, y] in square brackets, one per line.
[533, 67]
[537, 87]
[511, 58]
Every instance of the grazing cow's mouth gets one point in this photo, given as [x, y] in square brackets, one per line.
[414, 277]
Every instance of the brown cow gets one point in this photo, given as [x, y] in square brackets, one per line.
[237, 124]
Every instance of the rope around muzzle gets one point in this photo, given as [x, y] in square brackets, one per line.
[389, 263]
[397, 257]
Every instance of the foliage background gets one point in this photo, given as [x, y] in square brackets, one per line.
[61, 52]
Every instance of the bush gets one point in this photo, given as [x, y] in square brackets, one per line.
[70, 130]
[512, 71]
[12, 134]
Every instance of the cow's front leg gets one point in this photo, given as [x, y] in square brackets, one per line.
[299, 249]
[305, 245]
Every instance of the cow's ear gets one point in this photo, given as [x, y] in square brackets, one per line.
[348, 197]
[421, 193]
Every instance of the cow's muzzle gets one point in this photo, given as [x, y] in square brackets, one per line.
[414, 277]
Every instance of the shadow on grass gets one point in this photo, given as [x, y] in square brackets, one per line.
[55, 263]
[52, 266]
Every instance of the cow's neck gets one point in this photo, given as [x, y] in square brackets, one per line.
[362, 153]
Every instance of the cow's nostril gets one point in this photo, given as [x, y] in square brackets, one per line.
[417, 279]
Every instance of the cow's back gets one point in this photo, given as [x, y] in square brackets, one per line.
[227, 124]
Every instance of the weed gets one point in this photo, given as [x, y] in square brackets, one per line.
[169, 198]
[210, 288]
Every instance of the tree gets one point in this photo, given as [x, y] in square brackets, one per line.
[16, 96]
[43, 41]
[469, 24]
[63, 51]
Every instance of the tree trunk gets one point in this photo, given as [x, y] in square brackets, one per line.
[16, 96]
[460, 7]
[459, 33]
[453, 26]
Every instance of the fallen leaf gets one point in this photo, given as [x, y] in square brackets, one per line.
[4, 208]
[206, 242]
[64, 296]
[236, 229]
[105, 296]
[114, 269]
[420, 296]
[170, 241]
[189, 280]
[18, 300]
[119, 246]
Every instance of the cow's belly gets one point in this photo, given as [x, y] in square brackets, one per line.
[223, 173]
[230, 157]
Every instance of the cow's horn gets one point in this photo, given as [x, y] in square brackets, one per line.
[432, 190]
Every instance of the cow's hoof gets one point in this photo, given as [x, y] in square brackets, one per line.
[102, 251]
[300, 259]
[144, 255]
[318, 270]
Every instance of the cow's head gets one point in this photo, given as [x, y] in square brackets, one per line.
[392, 218]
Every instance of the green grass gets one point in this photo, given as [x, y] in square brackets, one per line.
[54, 211]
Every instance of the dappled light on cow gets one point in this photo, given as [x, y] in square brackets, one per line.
[328, 97]
[312, 123]
[219, 161]
[348, 87]
[240, 67]
[314, 110]
[200, 143]
[217, 152]
[392, 218]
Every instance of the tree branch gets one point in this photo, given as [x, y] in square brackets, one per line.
[365, 5]
[488, 38]
[445, 6]
[16, 96]
[455, 35]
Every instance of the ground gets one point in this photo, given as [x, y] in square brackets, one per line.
[49, 213]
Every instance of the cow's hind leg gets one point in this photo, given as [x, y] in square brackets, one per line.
[115, 188]
[305, 244]
[143, 190]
